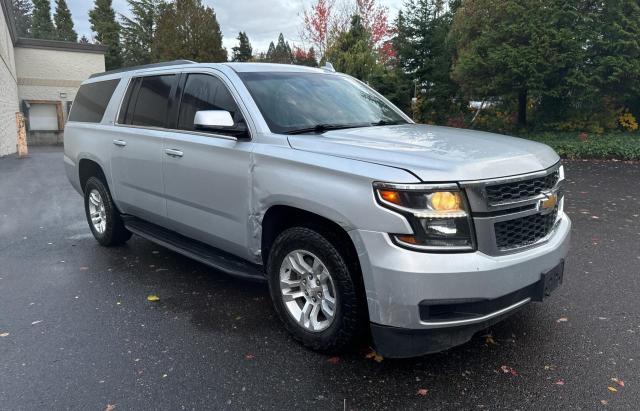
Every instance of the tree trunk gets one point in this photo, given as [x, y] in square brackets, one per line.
[522, 108]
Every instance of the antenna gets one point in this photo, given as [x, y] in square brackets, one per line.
[329, 67]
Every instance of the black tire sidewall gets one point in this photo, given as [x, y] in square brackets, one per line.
[346, 325]
[113, 233]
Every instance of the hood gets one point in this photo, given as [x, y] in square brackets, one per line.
[432, 153]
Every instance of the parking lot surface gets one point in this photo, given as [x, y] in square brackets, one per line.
[77, 330]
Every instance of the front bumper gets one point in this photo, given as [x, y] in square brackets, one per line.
[397, 281]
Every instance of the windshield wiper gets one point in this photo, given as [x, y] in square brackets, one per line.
[321, 128]
[385, 123]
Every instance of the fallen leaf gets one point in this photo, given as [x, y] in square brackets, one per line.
[110, 407]
[4, 335]
[604, 402]
[238, 318]
[562, 320]
[488, 340]
[375, 356]
[423, 392]
[153, 298]
[616, 380]
[559, 382]
[508, 370]
[612, 389]
[334, 360]
[249, 356]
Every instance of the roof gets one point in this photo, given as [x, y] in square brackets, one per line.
[60, 45]
[237, 67]
[7, 10]
[262, 67]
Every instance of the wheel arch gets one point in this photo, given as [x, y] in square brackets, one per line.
[281, 217]
[90, 168]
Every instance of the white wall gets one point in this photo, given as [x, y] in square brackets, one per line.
[45, 74]
[8, 91]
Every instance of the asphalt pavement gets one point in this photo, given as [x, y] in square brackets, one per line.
[77, 330]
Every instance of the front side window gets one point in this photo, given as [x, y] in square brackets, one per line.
[296, 102]
[149, 107]
[205, 92]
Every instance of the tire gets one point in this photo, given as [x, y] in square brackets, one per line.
[110, 230]
[349, 313]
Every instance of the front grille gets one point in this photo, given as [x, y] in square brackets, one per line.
[524, 231]
[519, 190]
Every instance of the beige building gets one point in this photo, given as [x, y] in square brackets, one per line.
[40, 78]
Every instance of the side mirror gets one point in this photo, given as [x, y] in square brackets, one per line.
[213, 120]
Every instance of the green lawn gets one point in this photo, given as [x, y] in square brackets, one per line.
[620, 146]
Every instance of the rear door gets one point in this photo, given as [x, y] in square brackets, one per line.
[207, 174]
[137, 152]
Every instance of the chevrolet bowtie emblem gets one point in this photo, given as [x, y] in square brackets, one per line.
[549, 203]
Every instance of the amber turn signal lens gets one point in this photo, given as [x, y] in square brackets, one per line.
[445, 201]
[390, 196]
[409, 239]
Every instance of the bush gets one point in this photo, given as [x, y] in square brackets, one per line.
[620, 146]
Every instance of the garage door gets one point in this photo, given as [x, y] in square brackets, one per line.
[43, 117]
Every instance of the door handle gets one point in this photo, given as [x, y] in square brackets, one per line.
[120, 143]
[173, 153]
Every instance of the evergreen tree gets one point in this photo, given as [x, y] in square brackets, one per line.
[522, 50]
[394, 82]
[243, 51]
[352, 52]
[282, 52]
[424, 57]
[271, 52]
[22, 10]
[103, 23]
[614, 52]
[64, 22]
[138, 31]
[42, 26]
[188, 29]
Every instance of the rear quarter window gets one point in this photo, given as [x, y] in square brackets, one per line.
[92, 100]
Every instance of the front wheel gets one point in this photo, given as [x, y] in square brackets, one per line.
[102, 215]
[314, 290]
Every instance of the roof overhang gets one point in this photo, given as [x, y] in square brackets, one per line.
[29, 43]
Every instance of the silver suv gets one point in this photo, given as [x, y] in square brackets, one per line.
[359, 220]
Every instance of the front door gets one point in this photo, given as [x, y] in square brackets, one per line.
[207, 173]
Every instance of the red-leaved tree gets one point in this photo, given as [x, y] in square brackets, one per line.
[374, 19]
[324, 20]
[316, 21]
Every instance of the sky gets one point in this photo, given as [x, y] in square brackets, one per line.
[263, 20]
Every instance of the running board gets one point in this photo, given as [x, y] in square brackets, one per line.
[206, 254]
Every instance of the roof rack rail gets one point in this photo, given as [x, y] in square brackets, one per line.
[145, 66]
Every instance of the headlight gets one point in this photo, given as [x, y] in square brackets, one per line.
[438, 214]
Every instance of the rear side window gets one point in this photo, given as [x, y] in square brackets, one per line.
[92, 100]
[147, 101]
[204, 92]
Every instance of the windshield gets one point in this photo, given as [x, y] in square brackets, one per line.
[315, 102]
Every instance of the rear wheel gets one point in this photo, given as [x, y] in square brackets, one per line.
[314, 290]
[102, 215]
